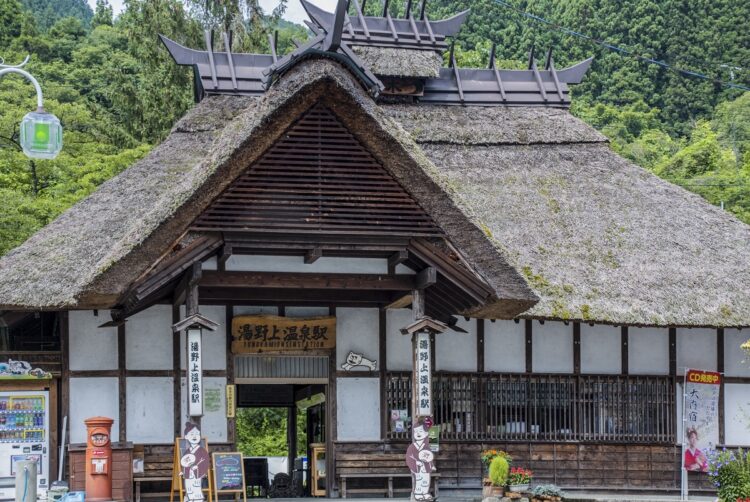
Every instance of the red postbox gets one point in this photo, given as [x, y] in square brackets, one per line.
[98, 459]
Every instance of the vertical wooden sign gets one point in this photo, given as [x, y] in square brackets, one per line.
[422, 374]
[195, 373]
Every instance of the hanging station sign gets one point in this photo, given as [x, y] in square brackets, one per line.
[422, 374]
[265, 333]
[195, 376]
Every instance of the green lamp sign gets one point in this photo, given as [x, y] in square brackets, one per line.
[41, 135]
[41, 132]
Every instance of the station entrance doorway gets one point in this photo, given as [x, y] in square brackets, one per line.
[282, 424]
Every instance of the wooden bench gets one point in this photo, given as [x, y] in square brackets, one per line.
[389, 490]
[145, 479]
[386, 466]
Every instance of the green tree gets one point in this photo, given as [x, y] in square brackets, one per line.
[103, 14]
[245, 18]
[48, 12]
[262, 432]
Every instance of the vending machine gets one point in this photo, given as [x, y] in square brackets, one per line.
[24, 435]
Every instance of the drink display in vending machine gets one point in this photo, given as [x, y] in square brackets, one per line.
[24, 435]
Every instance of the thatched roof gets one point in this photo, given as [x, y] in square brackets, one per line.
[534, 199]
[597, 237]
[89, 256]
[395, 62]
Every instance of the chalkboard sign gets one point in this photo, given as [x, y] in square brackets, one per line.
[229, 473]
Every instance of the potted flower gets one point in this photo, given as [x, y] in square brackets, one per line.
[498, 476]
[519, 479]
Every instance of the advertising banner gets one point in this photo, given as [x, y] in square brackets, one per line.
[700, 418]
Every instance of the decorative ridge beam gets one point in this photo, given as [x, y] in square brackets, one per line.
[372, 28]
[492, 86]
[492, 67]
[333, 36]
[228, 47]
[208, 36]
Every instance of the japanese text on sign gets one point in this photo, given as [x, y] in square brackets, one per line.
[422, 371]
[282, 334]
[700, 417]
[195, 373]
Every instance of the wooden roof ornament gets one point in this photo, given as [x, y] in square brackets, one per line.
[195, 321]
[425, 324]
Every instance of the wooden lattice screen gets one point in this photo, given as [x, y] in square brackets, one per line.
[539, 407]
[318, 178]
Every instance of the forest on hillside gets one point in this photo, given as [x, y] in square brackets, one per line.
[118, 92]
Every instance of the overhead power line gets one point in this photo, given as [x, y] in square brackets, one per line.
[621, 50]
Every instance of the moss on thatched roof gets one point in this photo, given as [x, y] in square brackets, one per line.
[395, 62]
[596, 237]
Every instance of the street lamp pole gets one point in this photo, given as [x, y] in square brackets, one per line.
[29, 77]
[41, 132]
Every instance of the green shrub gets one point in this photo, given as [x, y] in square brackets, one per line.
[548, 490]
[499, 468]
[730, 472]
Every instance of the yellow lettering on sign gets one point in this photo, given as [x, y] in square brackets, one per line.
[265, 333]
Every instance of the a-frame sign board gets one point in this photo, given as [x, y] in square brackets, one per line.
[180, 447]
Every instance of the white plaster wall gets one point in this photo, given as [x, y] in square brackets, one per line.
[93, 397]
[358, 409]
[601, 349]
[357, 330]
[149, 338]
[214, 422]
[696, 348]
[255, 310]
[210, 264]
[648, 351]
[505, 346]
[552, 347]
[150, 412]
[737, 414]
[214, 342]
[736, 360]
[331, 265]
[456, 351]
[306, 312]
[398, 346]
[91, 347]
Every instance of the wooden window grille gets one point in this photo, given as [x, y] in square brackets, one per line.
[542, 407]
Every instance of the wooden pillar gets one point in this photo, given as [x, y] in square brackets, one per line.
[529, 339]
[624, 350]
[382, 354]
[480, 345]
[176, 374]
[122, 383]
[291, 437]
[231, 422]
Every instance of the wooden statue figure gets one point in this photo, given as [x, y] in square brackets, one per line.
[195, 464]
[420, 460]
